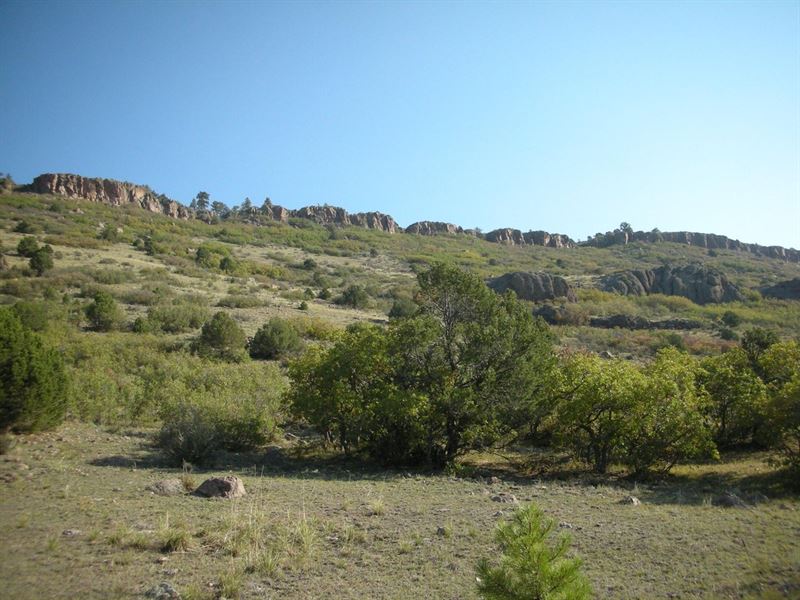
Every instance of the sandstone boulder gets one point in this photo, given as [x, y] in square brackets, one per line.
[534, 286]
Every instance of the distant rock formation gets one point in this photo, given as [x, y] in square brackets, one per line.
[433, 228]
[709, 241]
[700, 284]
[514, 237]
[333, 215]
[108, 191]
[633, 322]
[535, 287]
[783, 290]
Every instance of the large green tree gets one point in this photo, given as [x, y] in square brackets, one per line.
[33, 384]
[432, 386]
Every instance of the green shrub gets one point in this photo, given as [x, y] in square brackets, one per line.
[354, 296]
[647, 418]
[324, 294]
[222, 338]
[33, 392]
[27, 246]
[103, 313]
[275, 339]
[178, 317]
[731, 319]
[25, 227]
[211, 407]
[533, 564]
[737, 397]
[402, 308]
[188, 434]
[780, 364]
[42, 260]
[240, 301]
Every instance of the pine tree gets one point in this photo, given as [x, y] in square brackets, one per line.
[532, 566]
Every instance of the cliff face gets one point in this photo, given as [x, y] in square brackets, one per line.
[433, 228]
[514, 237]
[108, 191]
[703, 240]
[334, 215]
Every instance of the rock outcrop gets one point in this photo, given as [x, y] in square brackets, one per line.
[709, 241]
[700, 284]
[514, 237]
[334, 215]
[633, 322]
[108, 191]
[783, 290]
[433, 228]
[535, 287]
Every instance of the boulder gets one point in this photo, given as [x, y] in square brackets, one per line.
[699, 283]
[783, 290]
[534, 286]
[167, 487]
[221, 487]
[514, 237]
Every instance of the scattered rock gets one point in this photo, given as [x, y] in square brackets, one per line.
[632, 500]
[167, 487]
[71, 532]
[163, 591]
[441, 531]
[606, 354]
[565, 525]
[221, 487]
[505, 498]
[495, 480]
[499, 513]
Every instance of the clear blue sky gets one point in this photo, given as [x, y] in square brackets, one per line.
[569, 117]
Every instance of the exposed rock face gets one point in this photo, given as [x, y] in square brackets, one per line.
[514, 237]
[108, 191]
[703, 240]
[334, 215]
[221, 487]
[784, 290]
[632, 322]
[433, 228]
[534, 286]
[700, 284]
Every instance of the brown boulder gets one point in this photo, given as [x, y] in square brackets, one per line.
[221, 487]
[534, 286]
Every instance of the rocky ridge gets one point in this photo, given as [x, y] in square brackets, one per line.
[710, 241]
[515, 237]
[109, 191]
[118, 193]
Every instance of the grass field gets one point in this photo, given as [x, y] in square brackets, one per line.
[77, 521]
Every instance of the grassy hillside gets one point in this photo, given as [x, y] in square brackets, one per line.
[76, 516]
